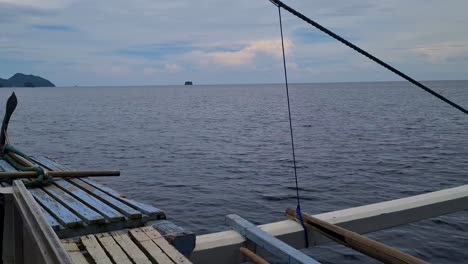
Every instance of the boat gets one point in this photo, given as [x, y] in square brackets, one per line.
[54, 214]
[188, 83]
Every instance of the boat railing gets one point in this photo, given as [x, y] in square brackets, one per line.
[27, 236]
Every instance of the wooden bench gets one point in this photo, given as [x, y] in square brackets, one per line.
[139, 245]
[77, 207]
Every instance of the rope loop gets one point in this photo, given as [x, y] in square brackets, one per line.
[43, 178]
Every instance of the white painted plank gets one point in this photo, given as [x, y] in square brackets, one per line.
[224, 246]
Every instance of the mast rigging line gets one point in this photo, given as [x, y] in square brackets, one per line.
[280, 5]
[298, 207]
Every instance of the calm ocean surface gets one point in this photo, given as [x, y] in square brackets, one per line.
[202, 152]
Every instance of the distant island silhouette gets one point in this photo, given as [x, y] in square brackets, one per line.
[23, 80]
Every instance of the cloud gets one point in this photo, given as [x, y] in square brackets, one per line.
[40, 4]
[245, 55]
[62, 28]
[172, 68]
[444, 52]
[226, 41]
[168, 68]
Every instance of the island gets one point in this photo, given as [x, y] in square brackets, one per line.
[23, 80]
[188, 83]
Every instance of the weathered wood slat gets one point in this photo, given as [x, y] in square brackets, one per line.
[155, 253]
[182, 240]
[109, 200]
[41, 244]
[5, 166]
[91, 201]
[157, 238]
[52, 221]
[49, 163]
[130, 248]
[87, 214]
[95, 250]
[145, 208]
[74, 252]
[113, 249]
[109, 196]
[262, 239]
[56, 209]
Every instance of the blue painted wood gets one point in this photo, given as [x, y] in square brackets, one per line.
[111, 214]
[52, 221]
[273, 245]
[105, 198]
[109, 200]
[145, 208]
[6, 166]
[57, 210]
[87, 214]
[50, 164]
[149, 210]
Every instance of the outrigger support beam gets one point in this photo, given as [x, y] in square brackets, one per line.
[355, 241]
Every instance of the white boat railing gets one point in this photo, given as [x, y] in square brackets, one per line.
[224, 246]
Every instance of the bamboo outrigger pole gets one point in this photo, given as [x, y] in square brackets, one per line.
[355, 241]
[57, 174]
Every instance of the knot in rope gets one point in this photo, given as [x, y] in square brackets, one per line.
[43, 178]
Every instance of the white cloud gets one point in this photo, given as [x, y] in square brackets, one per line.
[444, 52]
[172, 68]
[245, 55]
[232, 41]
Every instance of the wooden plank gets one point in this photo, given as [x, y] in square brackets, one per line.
[162, 243]
[95, 250]
[151, 249]
[6, 167]
[56, 209]
[178, 237]
[87, 214]
[252, 256]
[49, 163]
[113, 249]
[74, 252]
[109, 200]
[224, 246]
[112, 201]
[111, 214]
[43, 239]
[262, 239]
[130, 248]
[52, 221]
[145, 208]
[355, 241]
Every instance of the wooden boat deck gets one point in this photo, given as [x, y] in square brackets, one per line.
[77, 207]
[139, 245]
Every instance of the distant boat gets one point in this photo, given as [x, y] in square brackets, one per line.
[188, 83]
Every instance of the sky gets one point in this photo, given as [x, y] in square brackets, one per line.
[154, 42]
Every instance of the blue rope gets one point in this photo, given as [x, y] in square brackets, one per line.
[298, 208]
